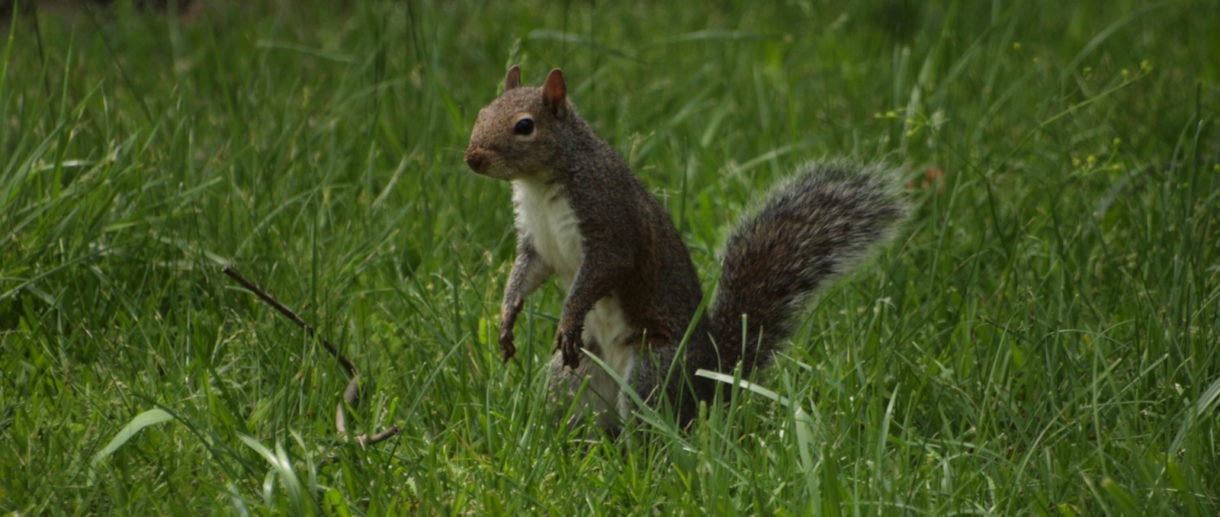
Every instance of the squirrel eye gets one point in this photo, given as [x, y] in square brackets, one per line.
[524, 126]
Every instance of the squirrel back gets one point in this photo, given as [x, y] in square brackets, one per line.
[632, 291]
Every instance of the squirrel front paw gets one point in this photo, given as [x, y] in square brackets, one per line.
[508, 317]
[568, 343]
[507, 348]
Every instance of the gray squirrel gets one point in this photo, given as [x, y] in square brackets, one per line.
[632, 290]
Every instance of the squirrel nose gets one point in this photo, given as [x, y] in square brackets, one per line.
[476, 160]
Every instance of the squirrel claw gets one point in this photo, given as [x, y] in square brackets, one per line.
[569, 345]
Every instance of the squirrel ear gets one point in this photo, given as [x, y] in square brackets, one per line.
[555, 92]
[513, 78]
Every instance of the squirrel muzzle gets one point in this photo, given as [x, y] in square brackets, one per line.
[477, 160]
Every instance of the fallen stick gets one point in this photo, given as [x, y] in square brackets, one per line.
[351, 394]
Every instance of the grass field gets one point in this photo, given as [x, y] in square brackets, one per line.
[1042, 337]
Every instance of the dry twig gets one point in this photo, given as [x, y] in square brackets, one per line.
[351, 394]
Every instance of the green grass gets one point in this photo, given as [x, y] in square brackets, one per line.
[1042, 338]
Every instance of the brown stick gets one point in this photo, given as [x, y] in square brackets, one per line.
[351, 394]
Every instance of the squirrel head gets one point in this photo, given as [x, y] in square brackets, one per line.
[520, 134]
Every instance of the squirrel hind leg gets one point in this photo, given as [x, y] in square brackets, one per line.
[595, 393]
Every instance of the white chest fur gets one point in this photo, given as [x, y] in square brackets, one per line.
[545, 217]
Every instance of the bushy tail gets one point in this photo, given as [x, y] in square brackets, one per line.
[807, 231]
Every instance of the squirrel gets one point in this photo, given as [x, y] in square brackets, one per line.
[633, 294]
